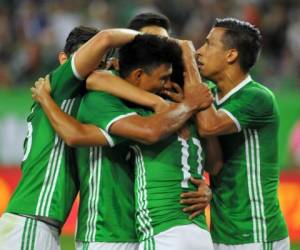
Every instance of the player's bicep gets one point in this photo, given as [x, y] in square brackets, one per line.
[215, 123]
[228, 123]
[90, 135]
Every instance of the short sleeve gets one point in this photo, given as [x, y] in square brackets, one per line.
[65, 81]
[102, 110]
[251, 109]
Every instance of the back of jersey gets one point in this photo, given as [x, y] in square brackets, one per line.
[49, 181]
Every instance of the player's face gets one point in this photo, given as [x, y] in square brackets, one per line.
[211, 56]
[155, 30]
[156, 79]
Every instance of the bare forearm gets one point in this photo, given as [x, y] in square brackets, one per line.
[171, 120]
[107, 82]
[153, 128]
[207, 119]
[69, 129]
[89, 56]
[212, 122]
[190, 64]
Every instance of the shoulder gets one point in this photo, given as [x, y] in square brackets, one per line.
[260, 98]
[257, 93]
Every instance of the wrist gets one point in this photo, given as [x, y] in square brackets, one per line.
[44, 99]
[191, 105]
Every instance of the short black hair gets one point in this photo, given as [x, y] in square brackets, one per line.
[148, 52]
[149, 19]
[244, 37]
[78, 36]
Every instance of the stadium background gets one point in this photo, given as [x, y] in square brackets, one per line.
[32, 32]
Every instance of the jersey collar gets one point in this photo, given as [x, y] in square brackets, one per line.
[234, 90]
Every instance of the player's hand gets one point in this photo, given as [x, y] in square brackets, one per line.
[173, 91]
[41, 89]
[197, 94]
[198, 200]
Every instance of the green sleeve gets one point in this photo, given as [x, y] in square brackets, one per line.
[251, 109]
[102, 110]
[65, 81]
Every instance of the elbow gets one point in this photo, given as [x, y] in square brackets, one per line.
[104, 39]
[207, 130]
[90, 81]
[71, 141]
[151, 136]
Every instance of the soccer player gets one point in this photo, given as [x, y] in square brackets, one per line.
[49, 183]
[151, 23]
[149, 69]
[245, 212]
[158, 24]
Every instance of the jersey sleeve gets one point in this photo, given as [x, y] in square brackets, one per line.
[102, 110]
[251, 109]
[65, 81]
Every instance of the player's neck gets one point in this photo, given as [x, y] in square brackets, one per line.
[229, 80]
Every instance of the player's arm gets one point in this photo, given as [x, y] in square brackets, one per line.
[107, 82]
[153, 128]
[89, 56]
[196, 201]
[67, 127]
[213, 155]
[210, 121]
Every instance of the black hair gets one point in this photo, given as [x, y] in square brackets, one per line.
[148, 52]
[149, 19]
[78, 36]
[244, 37]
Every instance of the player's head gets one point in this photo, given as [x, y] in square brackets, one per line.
[147, 61]
[157, 24]
[230, 42]
[77, 37]
[151, 23]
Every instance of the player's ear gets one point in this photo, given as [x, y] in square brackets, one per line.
[136, 76]
[232, 56]
[62, 57]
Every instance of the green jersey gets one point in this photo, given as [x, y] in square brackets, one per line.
[48, 185]
[106, 211]
[245, 207]
[162, 173]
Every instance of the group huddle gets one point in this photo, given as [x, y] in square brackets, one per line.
[134, 137]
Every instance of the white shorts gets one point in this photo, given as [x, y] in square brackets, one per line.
[18, 233]
[106, 246]
[187, 237]
[275, 245]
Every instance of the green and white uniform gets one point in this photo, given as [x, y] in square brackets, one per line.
[172, 168]
[162, 173]
[49, 181]
[245, 206]
[106, 212]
